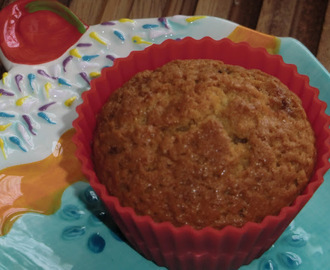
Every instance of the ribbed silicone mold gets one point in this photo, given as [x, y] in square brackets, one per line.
[185, 247]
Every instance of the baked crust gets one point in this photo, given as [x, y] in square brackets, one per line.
[203, 143]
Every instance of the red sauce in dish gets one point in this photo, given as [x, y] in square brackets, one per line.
[38, 32]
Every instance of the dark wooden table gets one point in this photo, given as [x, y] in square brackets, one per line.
[305, 20]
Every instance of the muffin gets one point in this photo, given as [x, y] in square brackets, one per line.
[215, 246]
[203, 143]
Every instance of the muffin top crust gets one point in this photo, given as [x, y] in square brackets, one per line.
[204, 143]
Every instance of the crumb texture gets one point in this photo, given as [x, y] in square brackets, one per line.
[203, 143]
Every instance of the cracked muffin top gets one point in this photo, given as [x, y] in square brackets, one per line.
[203, 143]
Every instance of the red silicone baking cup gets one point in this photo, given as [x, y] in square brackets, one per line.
[185, 247]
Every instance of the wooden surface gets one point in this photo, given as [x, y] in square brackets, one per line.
[305, 20]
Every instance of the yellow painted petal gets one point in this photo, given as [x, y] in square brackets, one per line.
[2, 147]
[139, 40]
[94, 74]
[75, 53]
[21, 100]
[95, 36]
[123, 20]
[47, 88]
[4, 127]
[69, 101]
[4, 75]
[194, 18]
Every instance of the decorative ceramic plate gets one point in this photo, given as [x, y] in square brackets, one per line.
[50, 218]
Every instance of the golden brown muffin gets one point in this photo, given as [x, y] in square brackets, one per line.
[203, 143]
